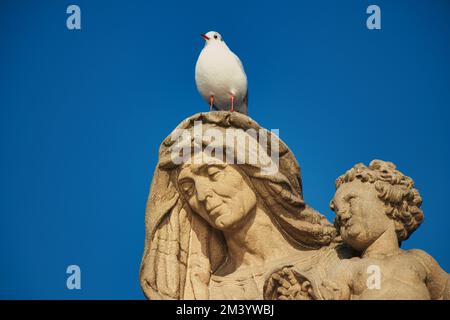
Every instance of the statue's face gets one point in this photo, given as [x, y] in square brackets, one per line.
[360, 214]
[218, 193]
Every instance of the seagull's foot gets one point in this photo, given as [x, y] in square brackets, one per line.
[232, 103]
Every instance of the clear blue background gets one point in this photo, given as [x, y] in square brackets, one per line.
[83, 113]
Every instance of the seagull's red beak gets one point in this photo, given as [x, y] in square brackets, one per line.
[204, 36]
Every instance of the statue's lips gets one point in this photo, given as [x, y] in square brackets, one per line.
[213, 212]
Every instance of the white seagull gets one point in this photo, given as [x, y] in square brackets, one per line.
[220, 76]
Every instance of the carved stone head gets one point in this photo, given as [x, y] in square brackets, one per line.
[218, 192]
[368, 200]
[194, 203]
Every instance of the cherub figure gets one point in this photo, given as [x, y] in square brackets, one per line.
[377, 207]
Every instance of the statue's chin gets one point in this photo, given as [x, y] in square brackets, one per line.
[225, 222]
[356, 237]
[350, 234]
[222, 224]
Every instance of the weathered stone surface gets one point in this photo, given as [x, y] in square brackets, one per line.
[377, 207]
[217, 229]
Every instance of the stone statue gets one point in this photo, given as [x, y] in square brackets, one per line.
[377, 207]
[226, 219]
[217, 229]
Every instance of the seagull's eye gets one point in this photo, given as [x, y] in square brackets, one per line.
[215, 36]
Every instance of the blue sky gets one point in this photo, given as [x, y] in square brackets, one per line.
[82, 114]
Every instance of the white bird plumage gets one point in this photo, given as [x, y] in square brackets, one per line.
[220, 76]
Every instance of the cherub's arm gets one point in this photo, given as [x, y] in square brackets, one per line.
[437, 281]
[336, 285]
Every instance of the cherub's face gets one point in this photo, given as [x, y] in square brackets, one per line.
[218, 193]
[360, 214]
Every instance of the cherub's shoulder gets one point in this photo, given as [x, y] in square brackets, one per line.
[422, 256]
[438, 280]
[344, 267]
[418, 253]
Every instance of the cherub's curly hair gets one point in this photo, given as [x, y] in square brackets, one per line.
[395, 189]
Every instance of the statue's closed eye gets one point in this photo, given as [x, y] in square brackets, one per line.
[215, 173]
[351, 199]
[187, 187]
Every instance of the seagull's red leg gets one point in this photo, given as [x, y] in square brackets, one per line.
[211, 102]
[232, 103]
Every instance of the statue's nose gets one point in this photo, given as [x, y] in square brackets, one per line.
[203, 191]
